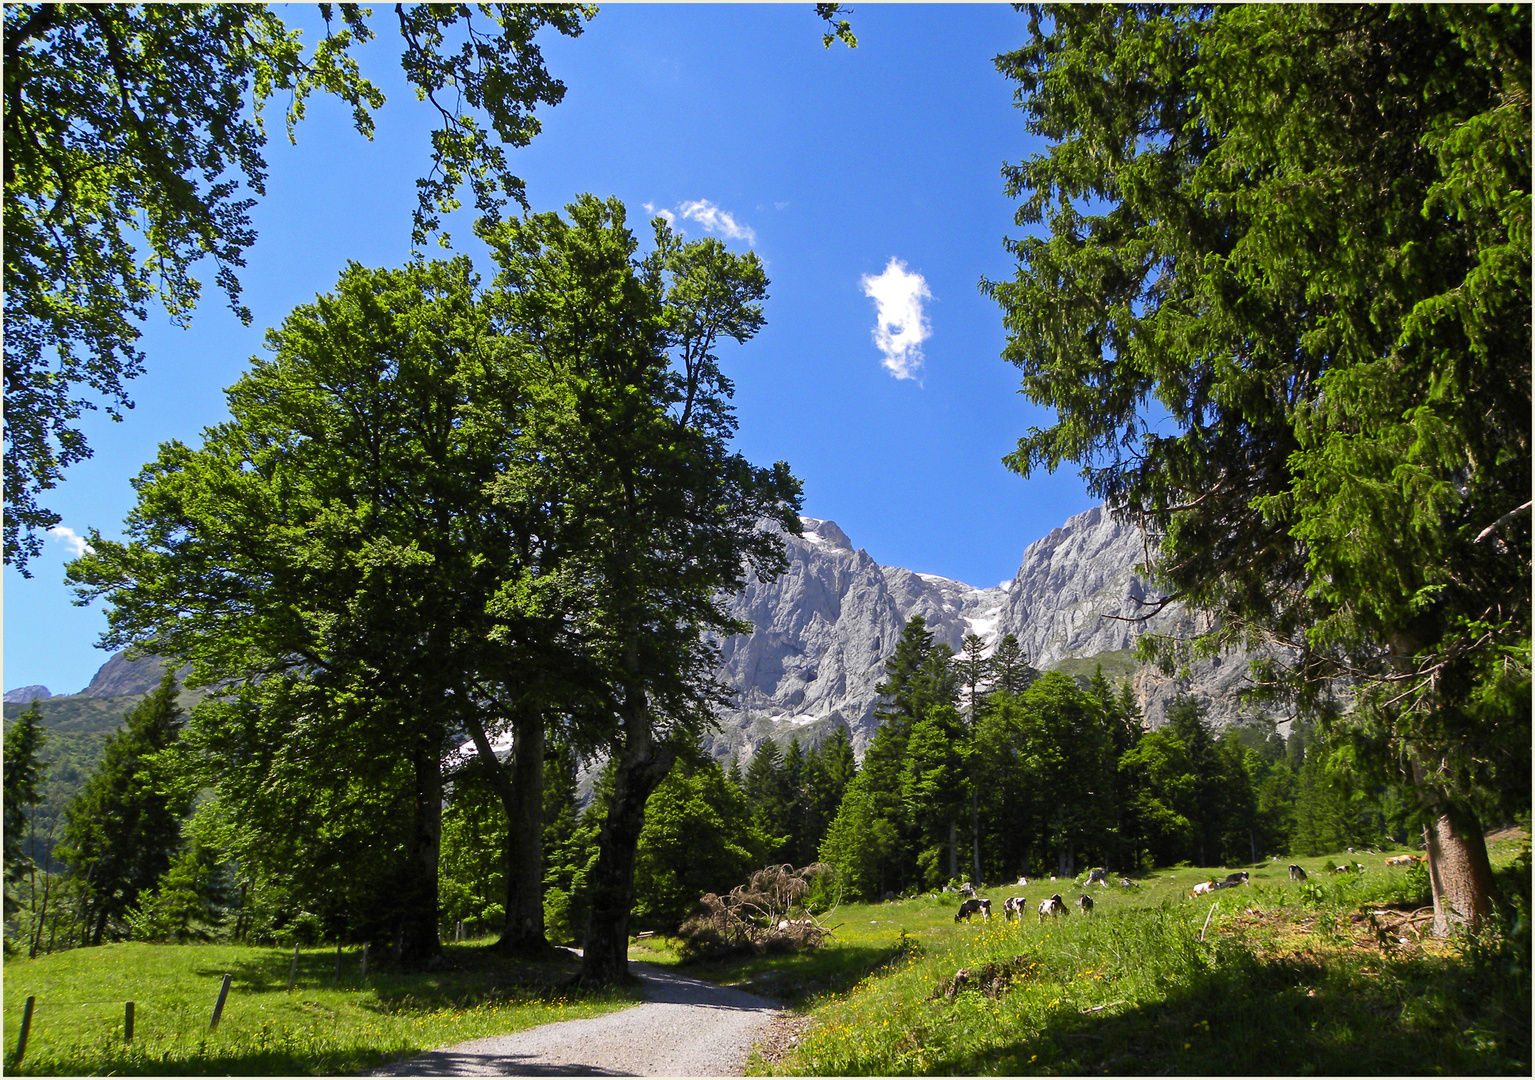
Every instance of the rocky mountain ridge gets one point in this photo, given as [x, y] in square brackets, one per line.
[824, 628]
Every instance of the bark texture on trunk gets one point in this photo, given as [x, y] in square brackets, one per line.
[524, 930]
[642, 765]
[420, 943]
[1459, 870]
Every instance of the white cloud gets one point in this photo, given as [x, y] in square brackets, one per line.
[71, 539]
[901, 328]
[711, 217]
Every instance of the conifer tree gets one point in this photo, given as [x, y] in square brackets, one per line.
[123, 828]
[24, 773]
[1301, 234]
[974, 670]
[1010, 664]
[766, 801]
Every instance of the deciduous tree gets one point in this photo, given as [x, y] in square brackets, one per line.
[134, 137]
[332, 555]
[658, 518]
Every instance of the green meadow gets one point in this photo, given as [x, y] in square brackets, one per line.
[324, 1026]
[1333, 976]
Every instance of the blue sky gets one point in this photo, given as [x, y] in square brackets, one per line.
[867, 180]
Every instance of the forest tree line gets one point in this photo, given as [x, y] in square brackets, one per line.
[982, 769]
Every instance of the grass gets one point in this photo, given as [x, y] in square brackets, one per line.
[1274, 978]
[322, 1027]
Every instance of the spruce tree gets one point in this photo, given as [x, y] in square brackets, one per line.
[974, 670]
[123, 828]
[766, 801]
[1010, 664]
[1300, 234]
[23, 778]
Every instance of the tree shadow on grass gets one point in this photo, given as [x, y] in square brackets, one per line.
[467, 972]
[1284, 1016]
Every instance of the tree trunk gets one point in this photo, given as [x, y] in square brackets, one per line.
[420, 944]
[975, 837]
[642, 765]
[1459, 871]
[524, 930]
[39, 915]
[522, 800]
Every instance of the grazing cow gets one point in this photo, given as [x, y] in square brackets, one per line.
[966, 889]
[1203, 887]
[1053, 906]
[973, 906]
[1126, 883]
[1013, 907]
[1296, 873]
[1098, 875]
[1234, 879]
[1401, 860]
[1085, 902]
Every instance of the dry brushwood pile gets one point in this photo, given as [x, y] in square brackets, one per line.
[767, 914]
[991, 979]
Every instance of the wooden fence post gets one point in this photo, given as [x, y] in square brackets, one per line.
[26, 1027]
[128, 1021]
[218, 1008]
[293, 967]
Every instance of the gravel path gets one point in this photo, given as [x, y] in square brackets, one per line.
[685, 1027]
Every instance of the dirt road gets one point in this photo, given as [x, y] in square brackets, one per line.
[685, 1027]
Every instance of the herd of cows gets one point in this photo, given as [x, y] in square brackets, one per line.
[1014, 906]
[1053, 906]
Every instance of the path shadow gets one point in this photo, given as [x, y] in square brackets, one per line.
[462, 1063]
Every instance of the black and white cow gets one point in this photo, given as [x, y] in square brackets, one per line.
[1013, 908]
[1296, 873]
[1053, 907]
[973, 906]
[1085, 902]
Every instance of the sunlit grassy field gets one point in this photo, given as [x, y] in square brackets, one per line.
[1332, 976]
[324, 1026]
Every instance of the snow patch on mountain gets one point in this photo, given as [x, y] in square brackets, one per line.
[823, 630]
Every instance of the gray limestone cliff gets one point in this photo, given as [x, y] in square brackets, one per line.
[825, 627]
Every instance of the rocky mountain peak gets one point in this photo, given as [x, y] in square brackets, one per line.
[825, 534]
[825, 627]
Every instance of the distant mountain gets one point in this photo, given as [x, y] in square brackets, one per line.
[825, 627]
[26, 694]
[120, 676]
